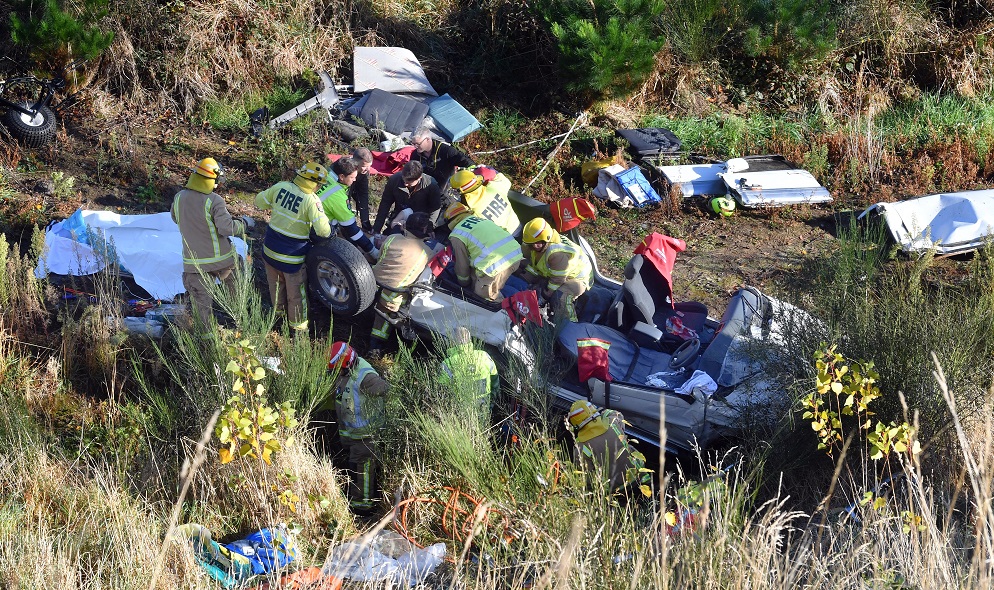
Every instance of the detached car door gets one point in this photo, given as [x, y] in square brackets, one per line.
[640, 406]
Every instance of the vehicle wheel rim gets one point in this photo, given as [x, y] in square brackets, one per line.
[332, 282]
[35, 121]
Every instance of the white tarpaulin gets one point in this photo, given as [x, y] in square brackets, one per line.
[949, 222]
[393, 69]
[149, 247]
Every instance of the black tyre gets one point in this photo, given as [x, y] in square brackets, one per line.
[340, 277]
[34, 131]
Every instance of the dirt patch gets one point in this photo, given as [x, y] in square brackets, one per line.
[135, 164]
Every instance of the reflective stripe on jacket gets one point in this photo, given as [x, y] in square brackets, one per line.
[491, 249]
[334, 200]
[359, 413]
[402, 259]
[577, 267]
[490, 202]
[205, 225]
[465, 366]
[295, 212]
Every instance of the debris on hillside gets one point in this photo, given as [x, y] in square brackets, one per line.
[390, 95]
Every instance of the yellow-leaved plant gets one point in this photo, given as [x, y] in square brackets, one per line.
[249, 426]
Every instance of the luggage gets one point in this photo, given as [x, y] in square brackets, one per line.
[650, 141]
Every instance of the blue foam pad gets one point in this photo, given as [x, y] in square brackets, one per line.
[451, 118]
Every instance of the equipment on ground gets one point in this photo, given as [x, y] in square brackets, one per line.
[29, 113]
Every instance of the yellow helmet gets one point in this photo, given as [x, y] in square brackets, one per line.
[205, 176]
[465, 181]
[456, 211]
[537, 230]
[310, 176]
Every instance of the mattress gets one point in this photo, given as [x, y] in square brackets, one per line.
[392, 113]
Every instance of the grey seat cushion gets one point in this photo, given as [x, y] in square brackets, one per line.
[627, 363]
[392, 113]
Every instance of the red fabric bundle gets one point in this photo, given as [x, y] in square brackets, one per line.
[385, 163]
[441, 260]
[568, 213]
[661, 251]
[522, 307]
[592, 359]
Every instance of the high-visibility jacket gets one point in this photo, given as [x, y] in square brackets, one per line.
[491, 249]
[295, 212]
[467, 367]
[609, 453]
[334, 200]
[490, 202]
[560, 262]
[205, 225]
[361, 403]
[402, 258]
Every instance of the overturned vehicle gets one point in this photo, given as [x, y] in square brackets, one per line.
[691, 387]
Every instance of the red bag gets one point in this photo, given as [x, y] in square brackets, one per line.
[592, 359]
[568, 213]
[441, 260]
[522, 307]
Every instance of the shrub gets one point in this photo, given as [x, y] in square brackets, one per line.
[606, 47]
[790, 32]
[58, 34]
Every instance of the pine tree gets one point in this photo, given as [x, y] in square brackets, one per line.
[58, 35]
[606, 47]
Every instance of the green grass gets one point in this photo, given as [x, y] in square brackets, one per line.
[88, 507]
[233, 114]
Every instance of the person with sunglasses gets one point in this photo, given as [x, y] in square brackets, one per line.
[438, 159]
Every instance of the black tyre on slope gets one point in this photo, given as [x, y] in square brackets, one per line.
[340, 277]
[34, 131]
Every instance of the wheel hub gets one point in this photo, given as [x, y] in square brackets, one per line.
[36, 121]
[332, 282]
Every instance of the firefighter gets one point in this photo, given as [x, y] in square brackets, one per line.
[484, 254]
[408, 191]
[553, 262]
[334, 198]
[359, 395]
[206, 226]
[402, 259]
[468, 370]
[603, 448]
[296, 212]
[484, 190]
[439, 159]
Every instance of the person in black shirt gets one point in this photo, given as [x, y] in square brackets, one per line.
[408, 191]
[359, 191]
[439, 159]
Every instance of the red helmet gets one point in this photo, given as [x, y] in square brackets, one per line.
[341, 356]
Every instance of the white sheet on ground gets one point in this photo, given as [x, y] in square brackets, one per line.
[147, 246]
[948, 222]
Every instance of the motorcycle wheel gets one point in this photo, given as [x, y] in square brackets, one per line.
[34, 131]
[341, 278]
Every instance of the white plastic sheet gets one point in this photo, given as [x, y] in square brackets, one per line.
[147, 246]
[949, 222]
[361, 562]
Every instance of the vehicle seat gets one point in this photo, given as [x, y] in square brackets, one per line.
[646, 297]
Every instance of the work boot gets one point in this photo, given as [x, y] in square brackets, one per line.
[406, 331]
